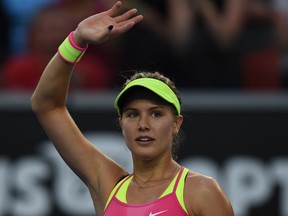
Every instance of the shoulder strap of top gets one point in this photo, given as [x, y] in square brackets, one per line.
[116, 189]
[179, 187]
[178, 179]
[122, 190]
[172, 186]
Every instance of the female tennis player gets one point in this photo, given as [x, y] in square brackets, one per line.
[149, 109]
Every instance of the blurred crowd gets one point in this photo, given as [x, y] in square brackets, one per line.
[200, 44]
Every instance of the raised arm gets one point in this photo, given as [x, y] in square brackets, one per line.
[49, 102]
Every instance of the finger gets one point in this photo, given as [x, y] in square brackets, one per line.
[126, 15]
[127, 25]
[112, 11]
[134, 20]
[123, 28]
[137, 19]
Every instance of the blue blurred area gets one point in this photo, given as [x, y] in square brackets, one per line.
[20, 14]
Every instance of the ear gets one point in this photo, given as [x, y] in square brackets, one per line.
[120, 124]
[178, 123]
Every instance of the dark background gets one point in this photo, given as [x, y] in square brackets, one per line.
[219, 134]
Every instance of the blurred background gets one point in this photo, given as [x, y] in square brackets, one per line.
[229, 59]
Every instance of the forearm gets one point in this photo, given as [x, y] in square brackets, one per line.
[53, 86]
[51, 91]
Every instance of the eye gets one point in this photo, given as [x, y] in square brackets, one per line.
[132, 114]
[156, 114]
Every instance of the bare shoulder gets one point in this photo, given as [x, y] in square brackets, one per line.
[204, 196]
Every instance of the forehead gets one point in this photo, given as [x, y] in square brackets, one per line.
[144, 104]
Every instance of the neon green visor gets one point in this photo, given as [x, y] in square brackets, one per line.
[154, 85]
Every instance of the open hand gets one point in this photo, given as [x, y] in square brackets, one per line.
[100, 27]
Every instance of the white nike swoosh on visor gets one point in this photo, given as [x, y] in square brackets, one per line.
[157, 213]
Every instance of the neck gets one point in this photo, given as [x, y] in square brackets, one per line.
[153, 176]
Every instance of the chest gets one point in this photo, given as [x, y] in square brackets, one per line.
[140, 195]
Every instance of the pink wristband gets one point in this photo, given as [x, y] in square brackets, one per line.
[73, 43]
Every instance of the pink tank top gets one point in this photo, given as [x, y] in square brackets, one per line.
[167, 205]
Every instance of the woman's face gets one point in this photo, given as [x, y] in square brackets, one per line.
[149, 127]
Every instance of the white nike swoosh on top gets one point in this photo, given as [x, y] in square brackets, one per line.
[157, 213]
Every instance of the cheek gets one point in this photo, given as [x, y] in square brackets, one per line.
[128, 137]
[127, 130]
[166, 130]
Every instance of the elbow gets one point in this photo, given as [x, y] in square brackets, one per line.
[42, 104]
[35, 105]
[39, 105]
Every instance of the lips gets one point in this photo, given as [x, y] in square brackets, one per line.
[144, 139]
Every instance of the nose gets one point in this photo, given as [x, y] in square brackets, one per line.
[143, 124]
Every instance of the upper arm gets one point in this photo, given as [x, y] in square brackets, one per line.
[80, 155]
[205, 197]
